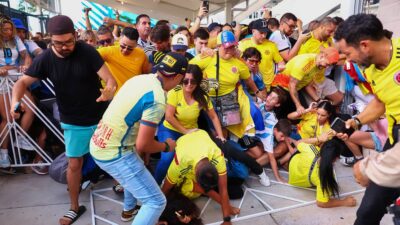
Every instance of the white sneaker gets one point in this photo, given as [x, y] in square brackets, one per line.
[4, 160]
[264, 179]
[23, 143]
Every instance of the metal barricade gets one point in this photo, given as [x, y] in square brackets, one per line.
[13, 130]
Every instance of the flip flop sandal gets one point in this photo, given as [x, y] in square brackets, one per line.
[118, 189]
[72, 215]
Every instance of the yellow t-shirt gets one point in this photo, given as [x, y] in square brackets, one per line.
[386, 86]
[187, 115]
[304, 69]
[190, 149]
[313, 45]
[269, 56]
[230, 72]
[212, 42]
[124, 67]
[309, 128]
[140, 101]
[299, 168]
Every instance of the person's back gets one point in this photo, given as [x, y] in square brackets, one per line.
[190, 150]
[116, 133]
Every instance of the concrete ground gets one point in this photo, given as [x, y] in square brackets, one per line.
[38, 200]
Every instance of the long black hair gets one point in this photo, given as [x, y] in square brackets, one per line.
[176, 202]
[330, 150]
[198, 94]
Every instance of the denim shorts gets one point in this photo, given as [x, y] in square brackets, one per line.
[77, 139]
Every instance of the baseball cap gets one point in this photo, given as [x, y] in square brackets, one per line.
[261, 25]
[60, 24]
[18, 24]
[212, 26]
[226, 39]
[207, 177]
[172, 64]
[332, 54]
[179, 42]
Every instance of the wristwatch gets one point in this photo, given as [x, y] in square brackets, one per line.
[358, 123]
[227, 219]
[166, 147]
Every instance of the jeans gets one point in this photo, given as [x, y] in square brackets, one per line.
[138, 183]
[166, 157]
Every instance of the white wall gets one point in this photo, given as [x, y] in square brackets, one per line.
[388, 13]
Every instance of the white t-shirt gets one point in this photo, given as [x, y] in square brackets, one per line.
[281, 40]
[9, 55]
[31, 46]
[267, 135]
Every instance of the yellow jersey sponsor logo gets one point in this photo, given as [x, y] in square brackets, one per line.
[169, 61]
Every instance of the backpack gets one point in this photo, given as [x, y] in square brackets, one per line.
[90, 170]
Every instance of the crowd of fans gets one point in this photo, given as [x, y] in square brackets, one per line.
[238, 98]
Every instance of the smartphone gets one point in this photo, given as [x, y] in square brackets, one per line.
[339, 126]
[206, 5]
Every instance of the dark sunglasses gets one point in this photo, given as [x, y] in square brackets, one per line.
[105, 41]
[129, 48]
[187, 81]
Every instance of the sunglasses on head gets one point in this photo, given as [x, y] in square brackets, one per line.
[128, 48]
[187, 81]
[105, 41]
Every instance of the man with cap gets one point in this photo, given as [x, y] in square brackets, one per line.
[74, 68]
[321, 38]
[199, 168]
[300, 73]
[180, 45]
[127, 128]
[269, 52]
[32, 48]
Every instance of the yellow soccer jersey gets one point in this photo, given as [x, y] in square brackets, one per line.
[124, 67]
[299, 169]
[230, 72]
[190, 149]
[269, 56]
[313, 45]
[187, 115]
[309, 128]
[304, 69]
[386, 86]
[141, 100]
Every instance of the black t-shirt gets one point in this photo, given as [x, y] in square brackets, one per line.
[76, 83]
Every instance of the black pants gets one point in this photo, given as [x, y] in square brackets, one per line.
[376, 197]
[232, 151]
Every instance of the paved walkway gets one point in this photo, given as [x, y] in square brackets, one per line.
[38, 200]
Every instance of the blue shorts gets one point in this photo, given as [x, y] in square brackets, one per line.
[77, 139]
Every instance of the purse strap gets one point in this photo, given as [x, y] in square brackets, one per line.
[217, 65]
